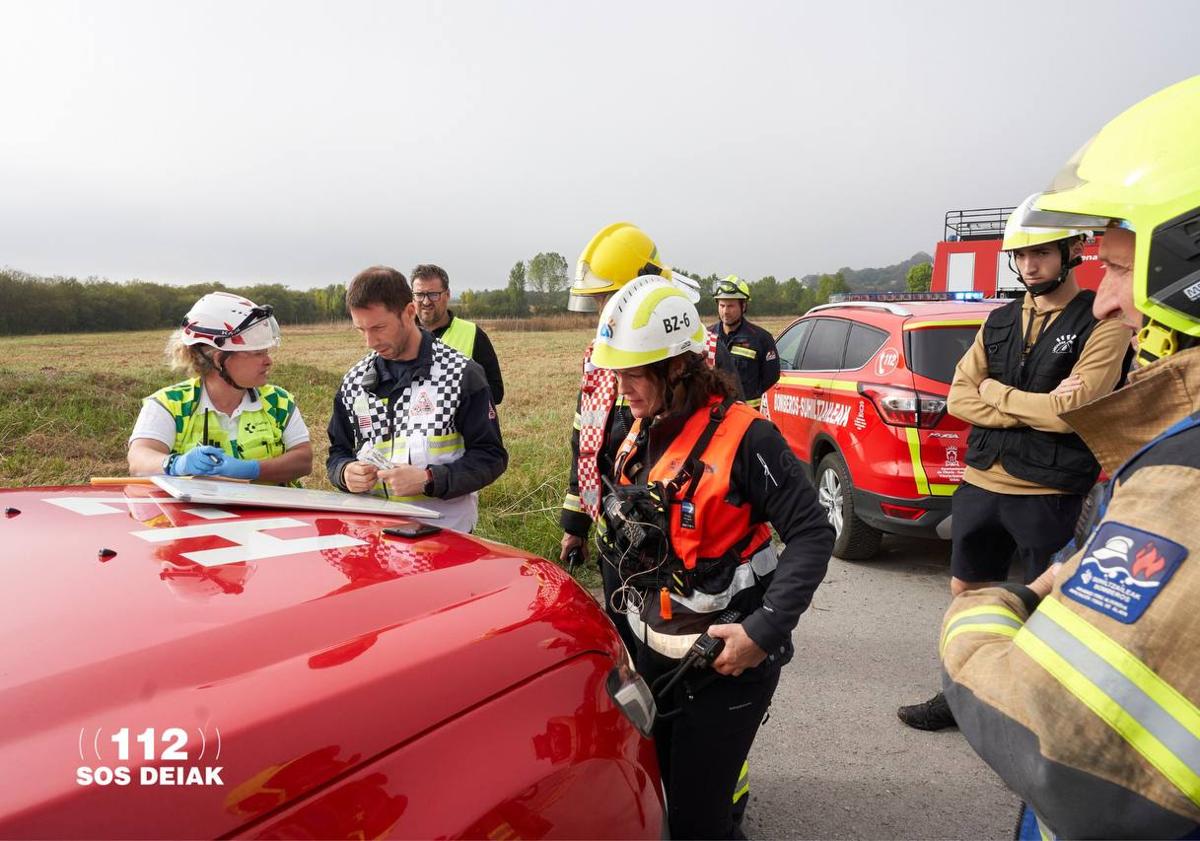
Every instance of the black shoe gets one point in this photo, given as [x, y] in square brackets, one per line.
[934, 714]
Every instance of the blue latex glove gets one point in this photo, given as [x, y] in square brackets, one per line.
[198, 461]
[237, 468]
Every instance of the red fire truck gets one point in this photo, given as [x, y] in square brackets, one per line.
[969, 256]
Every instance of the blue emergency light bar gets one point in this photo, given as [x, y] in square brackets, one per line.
[844, 297]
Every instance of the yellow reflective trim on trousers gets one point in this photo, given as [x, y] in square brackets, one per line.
[1141, 675]
[961, 322]
[914, 453]
[1110, 710]
[742, 787]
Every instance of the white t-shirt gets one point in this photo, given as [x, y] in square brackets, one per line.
[157, 424]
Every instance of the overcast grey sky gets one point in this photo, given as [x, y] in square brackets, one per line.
[299, 142]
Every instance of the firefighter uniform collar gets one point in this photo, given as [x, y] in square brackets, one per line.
[1119, 424]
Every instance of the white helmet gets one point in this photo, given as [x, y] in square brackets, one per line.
[229, 322]
[648, 320]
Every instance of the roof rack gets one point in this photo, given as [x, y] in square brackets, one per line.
[903, 297]
[872, 305]
[977, 223]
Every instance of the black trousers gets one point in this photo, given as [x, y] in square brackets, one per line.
[711, 721]
[987, 528]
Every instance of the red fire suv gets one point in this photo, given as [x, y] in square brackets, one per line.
[862, 401]
[173, 670]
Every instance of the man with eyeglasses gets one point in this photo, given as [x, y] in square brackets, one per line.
[431, 291]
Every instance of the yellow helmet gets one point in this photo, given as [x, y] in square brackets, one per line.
[615, 256]
[1017, 235]
[1142, 172]
[732, 287]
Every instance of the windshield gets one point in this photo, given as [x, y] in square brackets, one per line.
[934, 351]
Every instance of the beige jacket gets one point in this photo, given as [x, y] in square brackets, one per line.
[1001, 406]
[1093, 719]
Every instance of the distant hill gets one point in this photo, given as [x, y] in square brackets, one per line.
[885, 279]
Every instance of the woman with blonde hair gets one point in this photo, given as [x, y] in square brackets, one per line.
[225, 420]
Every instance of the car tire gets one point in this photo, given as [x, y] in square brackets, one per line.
[856, 541]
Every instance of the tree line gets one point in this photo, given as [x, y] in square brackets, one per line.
[538, 286]
[31, 304]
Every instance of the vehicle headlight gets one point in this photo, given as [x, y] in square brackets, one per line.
[632, 696]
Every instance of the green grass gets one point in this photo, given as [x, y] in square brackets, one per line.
[68, 403]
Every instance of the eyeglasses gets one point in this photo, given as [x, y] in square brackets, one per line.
[428, 296]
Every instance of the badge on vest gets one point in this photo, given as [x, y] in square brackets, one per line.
[1123, 571]
[687, 514]
[362, 414]
[421, 405]
[1065, 343]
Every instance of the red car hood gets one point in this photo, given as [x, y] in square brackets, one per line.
[298, 644]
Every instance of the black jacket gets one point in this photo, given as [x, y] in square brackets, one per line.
[750, 355]
[485, 457]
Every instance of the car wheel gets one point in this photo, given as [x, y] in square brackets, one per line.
[856, 541]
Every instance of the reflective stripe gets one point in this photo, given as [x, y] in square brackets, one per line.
[755, 403]
[981, 626]
[674, 646]
[942, 490]
[571, 503]
[1146, 711]
[578, 424]
[763, 563]
[914, 453]
[749, 353]
[816, 382]
[742, 788]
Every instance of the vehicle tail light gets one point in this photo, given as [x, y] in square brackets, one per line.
[905, 406]
[903, 512]
[633, 697]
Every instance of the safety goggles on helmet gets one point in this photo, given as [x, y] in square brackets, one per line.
[732, 287]
[231, 323]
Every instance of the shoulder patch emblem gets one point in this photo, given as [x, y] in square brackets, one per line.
[1123, 571]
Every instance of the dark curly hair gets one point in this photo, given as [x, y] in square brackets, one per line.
[688, 390]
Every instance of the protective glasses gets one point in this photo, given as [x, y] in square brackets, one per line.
[727, 287]
[219, 337]
[428, 296]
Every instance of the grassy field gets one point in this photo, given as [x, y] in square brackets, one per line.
[67, 404]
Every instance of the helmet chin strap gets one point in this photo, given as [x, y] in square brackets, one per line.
[1048, 286]
[216, 363]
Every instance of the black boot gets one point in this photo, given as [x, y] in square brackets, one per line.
[934, 714]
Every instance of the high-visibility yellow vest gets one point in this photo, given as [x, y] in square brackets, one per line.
[259, 434]
[460, 335]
